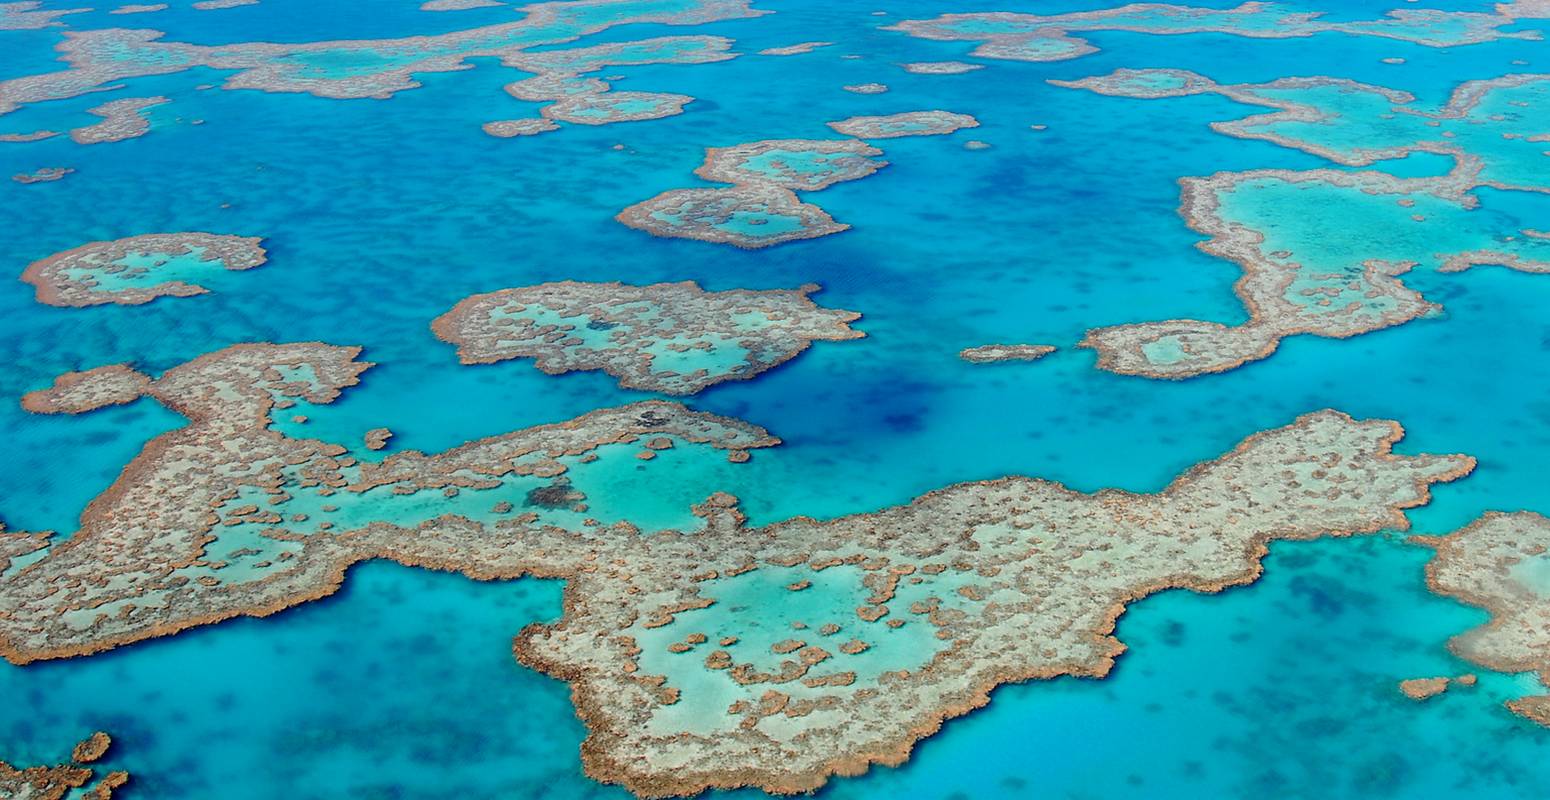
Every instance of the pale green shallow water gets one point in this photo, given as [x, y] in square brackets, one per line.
[380, 215]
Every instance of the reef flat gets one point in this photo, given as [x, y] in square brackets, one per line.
[940, 67]
[893, 621]
[674, 338]
[1496, 127]
[1030, 37]
[228, 516]
[352, 68]
[760, 208]
[139, 269]
[31, 15]
[42, 175]
[458, 5]
[121, 119]
[1322, 250]
[59, 781]
[794, 49]
[909, 123]
[590, 101]
[992, 353]
[80, 392]
[1501, 563]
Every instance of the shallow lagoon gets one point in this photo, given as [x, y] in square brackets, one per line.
[379, 215]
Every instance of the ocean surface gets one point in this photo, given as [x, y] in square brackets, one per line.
[379, 215]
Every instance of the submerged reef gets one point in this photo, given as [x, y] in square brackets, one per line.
[1501, 563]
[368, 67]
[139, 8]
[31, 15]
[1322, 250]
[458, 5]
[940, 67]
[229, 516]
[909, 123]
[761, 207]
[794, 49]
[42, 175]
[121, 119]
[139, 269]
[216, 5]
[775, 657]
[992, 353]
[674, 338]
[508, 128]
[1030, 37]
[64, 780]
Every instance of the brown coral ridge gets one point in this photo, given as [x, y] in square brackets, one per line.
[56, 286]
[700, 213]
[58, 781]
[1047, 570]
[172, 543]
[1500, 563]
[684, 318]
[1212, 347]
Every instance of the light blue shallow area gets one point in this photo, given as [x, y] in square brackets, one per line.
[380, 215]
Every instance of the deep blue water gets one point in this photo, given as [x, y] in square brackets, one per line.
[379, 215]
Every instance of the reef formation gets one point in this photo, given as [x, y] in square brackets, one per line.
[760, 208]
[794, 49]
[139, 269]
[992, 353]
[379, 67]
[890, 622]
[31, 15]
[1031, 37]
[64, 780]
[229, 516]
[674, 338]
[1322, 250]
[121, 119]
[940, 67]
[572, 97]
[909, 123]
[139, 8]
[42, 175]
[1501, 563]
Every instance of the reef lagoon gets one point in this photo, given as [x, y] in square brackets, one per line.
[612, 398]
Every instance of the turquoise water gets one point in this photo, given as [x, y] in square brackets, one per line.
[380, 215]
